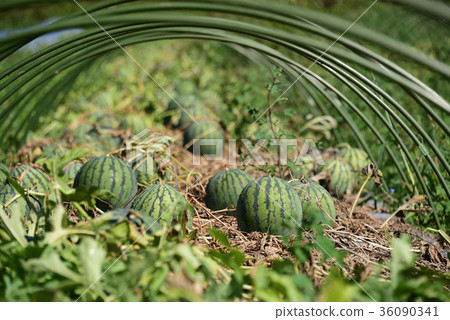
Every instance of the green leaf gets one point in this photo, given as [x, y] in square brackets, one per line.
[14, 224]
[92, 256]
[220, 237]
[51, 261]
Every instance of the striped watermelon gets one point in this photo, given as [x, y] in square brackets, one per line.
[161, 202]
[342, 177]
[71, 169]
[224, 187]
[357, 158]
[7, 193]
[110, 174]
[269, 205]
[316, 201]
[2, 174]
[204, 129]
[31, 177]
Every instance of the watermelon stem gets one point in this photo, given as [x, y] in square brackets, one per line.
[81, 212]
[369, 176]
[17, 196]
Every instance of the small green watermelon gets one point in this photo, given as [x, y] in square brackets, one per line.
[316, 201]
[224, 187]
[357, 158]
[269, 205]
[7, 193]
[71, 169]
[111, 174]
[161, 202]
[341, 176]
[31, 177]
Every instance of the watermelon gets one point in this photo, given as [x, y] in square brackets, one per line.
[357, 158]
[71, 169]
[224, 187]
[316, 202]
[161, 202]
[111, 174]
[2, 174]
[269, 205]
[341, 176]
[204, 129]
[31, 177]
[7, 192]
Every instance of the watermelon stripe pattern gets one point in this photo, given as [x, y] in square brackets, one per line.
[224, 187]
[316, 201]
[161, 202]
[7, 192]
[30, 176]
[357, 158]
[71, 169]
[111, 174]
[342, 176]
[269, 205]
